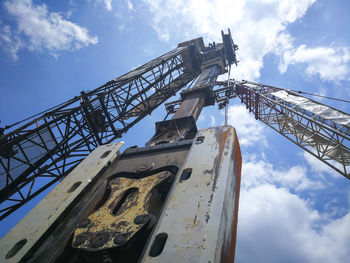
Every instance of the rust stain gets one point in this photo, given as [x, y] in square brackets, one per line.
[228, 248]
[221, 137]
[195, 219]
[207, 217]
[207, 171]
[211, 198]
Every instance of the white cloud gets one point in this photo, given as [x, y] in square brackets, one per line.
[108, 4]
[10, 42]
[38, 29]
[257, 172]
[121, 27]
[130, 5]
[212, 121]
[318, 166]
[277, 226]
[249, 130]
[331, 64]
[258, 27]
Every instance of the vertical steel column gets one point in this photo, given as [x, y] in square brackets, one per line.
[183, 124]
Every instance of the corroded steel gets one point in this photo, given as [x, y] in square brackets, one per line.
[123, 214]
[183, 123]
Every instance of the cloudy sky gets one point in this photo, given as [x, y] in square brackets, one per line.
[292, 207]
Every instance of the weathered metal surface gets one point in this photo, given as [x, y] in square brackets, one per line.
[192, 105]
[203, 85]
[56, 244]
[199, 221]
[183, 123]
[121, 216]
[230, 47]
[341, 119]
[174, 131]
[26, 234]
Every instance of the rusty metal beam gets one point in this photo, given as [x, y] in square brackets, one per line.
[183, 123]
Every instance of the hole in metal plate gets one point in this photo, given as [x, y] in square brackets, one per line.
[128, 194]
[17, 247]
[105, 154]
[74, 187]
[185, 174]
[158, 245]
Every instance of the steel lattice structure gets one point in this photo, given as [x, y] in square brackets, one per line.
[320, 130]
[49, 146]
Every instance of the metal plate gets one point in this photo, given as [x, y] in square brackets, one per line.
[199, 221]
[24, 236]
[138, 163]
[121, 217]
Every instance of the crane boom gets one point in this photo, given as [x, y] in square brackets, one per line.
[177, 197]
[50, 145]
[319, 129]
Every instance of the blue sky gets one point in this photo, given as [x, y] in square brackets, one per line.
[292, 207]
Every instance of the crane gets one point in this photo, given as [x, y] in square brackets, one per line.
[136, 205]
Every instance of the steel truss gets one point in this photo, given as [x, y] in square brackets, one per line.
[39, 153]
[320, 130]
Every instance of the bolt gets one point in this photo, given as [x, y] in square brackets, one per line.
[120, 238]
[141, 219]
[80, 239]
[115, 181]
[99, 239]
[84, 223]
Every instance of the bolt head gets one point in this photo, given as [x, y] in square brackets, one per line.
[99, 239]
[141, 219]
[120, 239]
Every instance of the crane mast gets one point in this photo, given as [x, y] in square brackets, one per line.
[173, 200]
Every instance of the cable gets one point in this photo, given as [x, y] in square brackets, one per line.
[226, 104]
[316, 95]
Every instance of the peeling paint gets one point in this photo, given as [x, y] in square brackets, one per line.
[121, 217]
